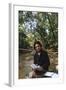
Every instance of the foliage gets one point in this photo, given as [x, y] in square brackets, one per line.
[42, 25]
[23, 43]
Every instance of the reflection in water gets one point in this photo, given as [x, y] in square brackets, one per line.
[25, 60]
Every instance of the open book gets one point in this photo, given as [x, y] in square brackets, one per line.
[34, 66]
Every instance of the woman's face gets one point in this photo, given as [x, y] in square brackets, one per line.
[37, 48]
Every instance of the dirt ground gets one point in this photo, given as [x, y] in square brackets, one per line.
[26, 59]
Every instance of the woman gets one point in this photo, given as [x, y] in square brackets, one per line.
[41, 59]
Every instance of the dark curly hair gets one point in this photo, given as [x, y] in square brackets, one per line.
[37, 42]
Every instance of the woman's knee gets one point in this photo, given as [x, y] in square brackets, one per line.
[32, 74]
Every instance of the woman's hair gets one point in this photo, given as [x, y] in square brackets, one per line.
[37, 42]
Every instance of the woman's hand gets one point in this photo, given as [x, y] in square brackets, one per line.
[39, 68]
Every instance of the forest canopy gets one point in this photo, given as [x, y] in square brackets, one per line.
[42, 26]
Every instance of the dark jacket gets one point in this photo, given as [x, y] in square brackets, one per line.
[42, 60]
